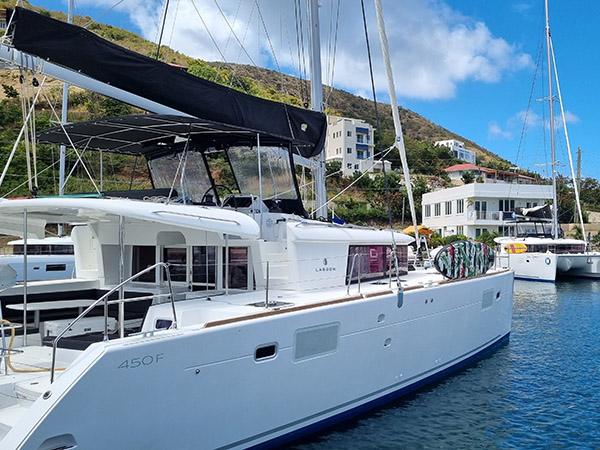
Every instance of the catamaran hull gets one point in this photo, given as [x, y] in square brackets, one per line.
[209, 387]
[585, 265]
[41, 267]
[530, 265]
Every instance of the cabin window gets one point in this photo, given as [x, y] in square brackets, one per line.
[143, 256]
[373, 261]
[237, 268]
[56, 267]
[204, 267]
[177, 260]
[36, 249]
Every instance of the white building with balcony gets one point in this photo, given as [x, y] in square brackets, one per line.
[351, 142]
[458, 150]
[474, 208]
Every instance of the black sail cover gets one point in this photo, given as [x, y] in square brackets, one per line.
[81, 50]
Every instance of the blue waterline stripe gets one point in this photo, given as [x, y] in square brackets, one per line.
[481, 348]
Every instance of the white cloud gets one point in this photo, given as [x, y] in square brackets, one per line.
[433, 48]
[522, 7]
[496, 132]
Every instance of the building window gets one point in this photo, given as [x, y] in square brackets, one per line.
[460, 206]
[481, 210]
[427, 210]
[356, 167]
[437, 209]
[348, 165]
[349, 150]
[506, 205]
[448, 208]
[460, 230]
[477, 232]
[349, 134]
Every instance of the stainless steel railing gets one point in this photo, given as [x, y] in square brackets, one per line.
[104, 299]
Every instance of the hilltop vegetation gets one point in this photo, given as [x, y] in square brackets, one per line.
[365, 202]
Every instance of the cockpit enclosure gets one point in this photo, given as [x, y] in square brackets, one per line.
[535, 228]
[230, 176]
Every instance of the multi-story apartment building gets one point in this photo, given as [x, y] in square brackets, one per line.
[458, 150]
[351, 142]
[474, 208]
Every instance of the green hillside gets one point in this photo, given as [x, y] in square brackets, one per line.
[364, 203]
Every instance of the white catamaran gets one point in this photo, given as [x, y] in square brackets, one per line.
[218, 317]
[538, 251]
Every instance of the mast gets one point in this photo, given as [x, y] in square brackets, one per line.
[397, 125]
[316, 99]
[551, 125]
[63, 119]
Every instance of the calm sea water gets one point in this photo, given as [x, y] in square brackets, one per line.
[539, 391]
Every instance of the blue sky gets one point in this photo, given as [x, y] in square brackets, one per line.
[465, 65]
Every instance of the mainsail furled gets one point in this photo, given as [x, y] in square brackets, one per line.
[78, 49]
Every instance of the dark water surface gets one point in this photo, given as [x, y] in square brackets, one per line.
[541, 390]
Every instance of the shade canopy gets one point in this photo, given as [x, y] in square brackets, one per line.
[153, 135]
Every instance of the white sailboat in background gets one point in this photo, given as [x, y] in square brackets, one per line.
[538, 251]
[212, 315]
[47, 259]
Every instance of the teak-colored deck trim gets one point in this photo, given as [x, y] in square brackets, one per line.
[216, 323]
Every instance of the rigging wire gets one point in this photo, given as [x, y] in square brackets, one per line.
[262, 20]
[383, 155]
[302, 70]
[330, 74]
[235, 17]
[233, 33]
[103, 14]
[385, 180]
[173, 27]
[162, 29]
[208, 31]
[235, 69]
[70, 141]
